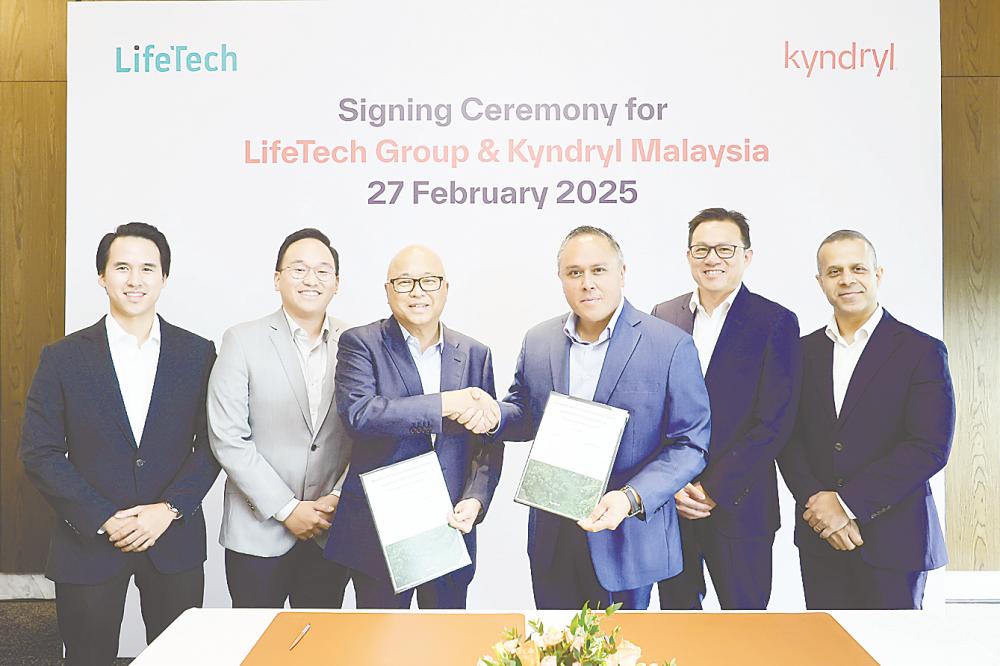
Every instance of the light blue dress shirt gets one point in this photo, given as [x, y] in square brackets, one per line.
[587, 358]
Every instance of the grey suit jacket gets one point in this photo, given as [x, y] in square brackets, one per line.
[261, 433]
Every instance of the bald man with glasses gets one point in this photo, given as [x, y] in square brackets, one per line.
[408, 385]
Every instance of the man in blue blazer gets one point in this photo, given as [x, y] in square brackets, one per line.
[115, 439]
[875, 423]
[607, 351]
[397, 381]
[748, 347]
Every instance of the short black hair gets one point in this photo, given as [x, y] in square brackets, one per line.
[847, 234]
[136, 230]
[721, 215]
[587, 230]
[302, 234]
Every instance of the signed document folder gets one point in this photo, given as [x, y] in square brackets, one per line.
[571, 458]
[410, 505]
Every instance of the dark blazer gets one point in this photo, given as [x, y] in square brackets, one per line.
[78, 449]
[893, 434]
[652, 371]
[380, 397]
[753, 386]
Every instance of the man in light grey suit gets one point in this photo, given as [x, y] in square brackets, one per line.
[274, 428]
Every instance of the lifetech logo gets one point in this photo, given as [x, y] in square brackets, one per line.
[809, 62]
[174, 58]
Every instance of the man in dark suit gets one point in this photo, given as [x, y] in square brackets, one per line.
[875, 423]
[748, 347]
[607, 351]
[115, 440]
[398, 379]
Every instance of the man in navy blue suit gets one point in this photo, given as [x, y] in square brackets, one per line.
[115, 439]
[607, 351]
[397, 382]
[875, 423]
[748, 347]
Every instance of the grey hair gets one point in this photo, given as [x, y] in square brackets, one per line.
[846, 234]
[586, 230]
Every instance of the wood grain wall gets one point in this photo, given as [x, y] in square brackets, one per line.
[970, 121]
[32, 259]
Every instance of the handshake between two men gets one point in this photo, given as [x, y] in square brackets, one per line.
[473, 408]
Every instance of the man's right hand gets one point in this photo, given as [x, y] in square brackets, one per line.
[847, 538]
[473, 408]
[307, 520]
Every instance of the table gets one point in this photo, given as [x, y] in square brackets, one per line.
[959, 633]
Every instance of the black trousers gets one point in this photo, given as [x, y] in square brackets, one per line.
[90, 616]
[843, 580]
[443, 592]
[301, 575]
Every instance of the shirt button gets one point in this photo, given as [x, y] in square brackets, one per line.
[140, 462]
[838, 447]
[313, 447]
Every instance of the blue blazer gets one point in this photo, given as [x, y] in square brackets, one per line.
[893, 434]
[753, 383]
[78, 449]
[380, 397]
[652, 371]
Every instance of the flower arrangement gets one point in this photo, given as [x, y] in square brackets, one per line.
[582, 643]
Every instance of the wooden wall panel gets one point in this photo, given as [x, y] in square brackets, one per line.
[33, 40]
[970, 41]
[32, 284]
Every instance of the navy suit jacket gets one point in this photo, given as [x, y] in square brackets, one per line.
[380, 397]
[652, 371]
[78, 449]
[753, 384]
[893, 434]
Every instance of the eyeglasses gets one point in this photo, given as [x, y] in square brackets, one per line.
[722, 251]
[298, 272]
[404, 285]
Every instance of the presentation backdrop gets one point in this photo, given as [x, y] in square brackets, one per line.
[488, 131]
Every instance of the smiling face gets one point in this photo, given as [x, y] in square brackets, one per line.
[717, 278]
[308, 297]
[592, 279]
[418, 310]
[133, 277]
[849, 278]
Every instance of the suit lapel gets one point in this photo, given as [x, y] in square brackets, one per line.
[453, 361]
[326, 398]
[824, 379]
[559, 362]
[624, 339]
[392, 338]
[732, 328]
[166, 380]
[281, 338]
[685, 318]
[880, 347]
[102, 374]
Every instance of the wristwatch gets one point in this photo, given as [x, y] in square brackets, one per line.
[635, 503]
[177, 512]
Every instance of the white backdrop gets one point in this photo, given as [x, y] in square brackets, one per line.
[846, 147]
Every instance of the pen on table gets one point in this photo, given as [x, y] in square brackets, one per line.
[298, 638]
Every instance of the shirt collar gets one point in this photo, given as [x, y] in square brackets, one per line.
[119, 336]
[294, 328]
[833, 330]
[570, 326]
[413, 343]
[695, 304]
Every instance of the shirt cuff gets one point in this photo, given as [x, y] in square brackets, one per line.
[847, 509]
[286, 510]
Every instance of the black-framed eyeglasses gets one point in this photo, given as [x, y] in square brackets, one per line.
[404, 285]
[298, 272]
[722, 251]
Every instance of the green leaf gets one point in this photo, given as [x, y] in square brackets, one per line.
[610, 610]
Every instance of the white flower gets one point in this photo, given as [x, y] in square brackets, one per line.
[549, 661]
[551, 638]
[510, 646]
[627, 655]
[577, 643]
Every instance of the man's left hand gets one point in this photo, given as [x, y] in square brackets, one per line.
[825, 514]
[613, 508]
[463, 517]
[328, 502]
[143, 525]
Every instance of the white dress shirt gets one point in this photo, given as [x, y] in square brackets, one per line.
[313, 358]
[428, 362]
[708, 327]
[587, 358]
[135, 366]
[845, 360]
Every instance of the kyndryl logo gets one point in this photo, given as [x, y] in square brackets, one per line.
[173, 58]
